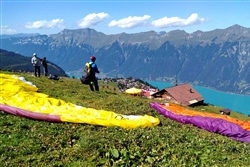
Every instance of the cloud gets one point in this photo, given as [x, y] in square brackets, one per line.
[92, 19]
[177, 22]
[43, 24]
[129, 22]
[6, 30]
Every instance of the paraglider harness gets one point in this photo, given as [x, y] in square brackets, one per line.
[87, 76]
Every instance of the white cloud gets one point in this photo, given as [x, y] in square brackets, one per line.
[129, 22]
[43, 24]
[92, 19]
[177, 22]
[6, 30]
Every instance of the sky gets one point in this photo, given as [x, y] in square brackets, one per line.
[114, 17]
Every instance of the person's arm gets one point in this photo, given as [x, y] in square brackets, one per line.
[95, 68]
[32, 61]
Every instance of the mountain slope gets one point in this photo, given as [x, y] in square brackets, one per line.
[218, 59]
[12, 61]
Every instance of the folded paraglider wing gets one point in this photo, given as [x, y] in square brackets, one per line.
[22, 99]
[133, 91]
[221, 124]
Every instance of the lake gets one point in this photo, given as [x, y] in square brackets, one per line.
[235, 102]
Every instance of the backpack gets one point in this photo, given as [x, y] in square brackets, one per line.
[86, 77]
[55, 77]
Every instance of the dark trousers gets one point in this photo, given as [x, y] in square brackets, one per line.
[45, 71]
[93, 84]
[37, 71]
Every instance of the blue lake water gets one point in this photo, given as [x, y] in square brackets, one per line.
[235, 102]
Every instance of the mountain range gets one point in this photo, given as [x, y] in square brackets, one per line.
[218, 59]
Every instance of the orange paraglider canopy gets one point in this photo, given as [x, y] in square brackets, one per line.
[188, 112]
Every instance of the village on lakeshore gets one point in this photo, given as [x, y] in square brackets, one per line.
[183, 94]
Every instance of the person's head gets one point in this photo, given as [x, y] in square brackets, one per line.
[44, 58]
[92, 58]
[34, 54]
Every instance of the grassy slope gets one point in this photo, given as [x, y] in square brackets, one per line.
[25, 142]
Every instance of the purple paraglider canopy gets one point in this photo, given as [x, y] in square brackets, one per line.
[215, 125]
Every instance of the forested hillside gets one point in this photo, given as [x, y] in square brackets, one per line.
[11, 61]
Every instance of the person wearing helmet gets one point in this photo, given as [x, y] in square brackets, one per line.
[94, 70]
[36, 64]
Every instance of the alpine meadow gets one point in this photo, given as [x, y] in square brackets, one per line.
[28, 142]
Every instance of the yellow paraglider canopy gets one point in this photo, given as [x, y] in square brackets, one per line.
[21, 98]
[133, 91]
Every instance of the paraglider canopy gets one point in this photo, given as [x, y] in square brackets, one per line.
[133, 91]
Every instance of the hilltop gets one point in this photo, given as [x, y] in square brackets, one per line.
[28, 142]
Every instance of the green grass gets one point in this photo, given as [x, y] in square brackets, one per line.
[26, 142]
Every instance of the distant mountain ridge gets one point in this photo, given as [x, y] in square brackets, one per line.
[18, 35]
[218, 59]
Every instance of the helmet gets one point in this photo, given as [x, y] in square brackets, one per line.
[92, 58]
[34, 54]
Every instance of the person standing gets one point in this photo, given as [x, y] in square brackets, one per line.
[93, 71]
[36, 64]
[45, 66]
